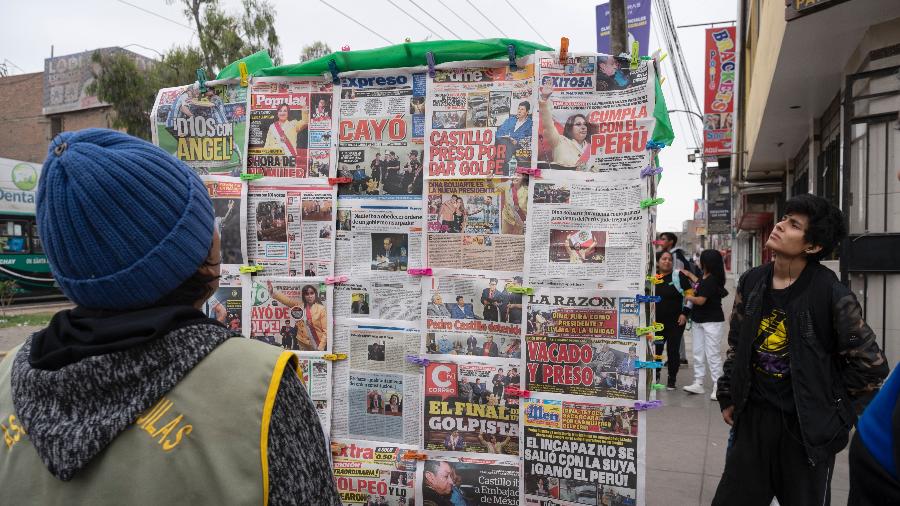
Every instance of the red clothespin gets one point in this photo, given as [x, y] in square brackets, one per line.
[335, 280]
[413, 455]
[563, 50]
[419, 272]
[339, 180]
[514, 391]
[529, 171]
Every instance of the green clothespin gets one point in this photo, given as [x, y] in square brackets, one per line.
[657, 386]
[635, 55]
[201, 79]
[652, 202]
[527, 290]
[246, 176]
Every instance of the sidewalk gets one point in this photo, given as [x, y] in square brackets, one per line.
[686, 442]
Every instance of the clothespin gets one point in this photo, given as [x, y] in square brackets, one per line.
[413, 455]
[331, 357]
[658, 242]
[527, 290]
[657, 357]
[529, 171]
[657, 279]
[657, 386]
[653, 327]
[661, 81]
[639, 364]
[407, 40]
[244, 269]
[652, 202]
[339, 180]
[635, 55]
[515, 391]
[655, 145]
[661, 58]
[345, 47]
[651, 171]
[335, 280]
[337, 448]
[246, 176]
[563, 50]
[429, 57]
[647, 298]
[412, 359]
[645, 405]
[511, 51]
[332, 67]
[654, 337]
[242, 68]
[201, 80]
[419, 272]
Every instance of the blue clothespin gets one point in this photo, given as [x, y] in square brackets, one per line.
[645, 405]
[647, 298]
[655, 145]
[412, 359]
[201, 79]
[429, 57]
[511, 51]
[332, 67]
[651, 171]
[639, 364]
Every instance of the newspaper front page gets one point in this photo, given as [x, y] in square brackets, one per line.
[374, 474]
[291, 313]
[316, 377]
[476, 223]
[378, 237]
[581, 453]
[229, 198]
[479, 120]
[376, 390]
[370, 296]
[204, 130]
[595, 115]
[469, 481]
[291, 131]
[583, 343]
[473, 313]
[380, 133]
[291, 226]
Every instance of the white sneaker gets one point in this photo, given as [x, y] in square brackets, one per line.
[715, 389]
[694, 388]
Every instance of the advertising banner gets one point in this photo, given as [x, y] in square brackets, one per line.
[638, 19]
[719, 88]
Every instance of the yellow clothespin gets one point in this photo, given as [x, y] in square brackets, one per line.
[331, 357]
[245, 269]
[242, 68]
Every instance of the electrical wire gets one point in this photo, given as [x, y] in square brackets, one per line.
[513, 7]
[342, 13]
[436, 20]
[160, 16]
[461, 19]
[486, 18]
[410, 16]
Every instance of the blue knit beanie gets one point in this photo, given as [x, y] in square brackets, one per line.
[123, 223]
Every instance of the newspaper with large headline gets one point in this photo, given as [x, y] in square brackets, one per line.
[380, 133]
[293, 313]
[378, 237]
[468, 481]
[372, 296]
[315, 373]
[374, 474]
[376, 393]
[291, 127]
[291, 226]
[595, 115]
[228, 195]
[479, 121]
[576, 453]
[473, 313]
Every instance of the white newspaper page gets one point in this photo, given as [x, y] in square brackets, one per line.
[472, 481]
[369, 474]
[291, 226]
[316, 377]
[292, 313]
[370, 296]
[378, 237]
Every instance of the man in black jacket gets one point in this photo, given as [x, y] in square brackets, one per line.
[801, 363]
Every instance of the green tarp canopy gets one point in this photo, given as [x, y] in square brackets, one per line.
[412, 54]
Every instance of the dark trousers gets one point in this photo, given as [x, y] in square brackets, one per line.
[870, 483]
[673, 334]
[767, 459]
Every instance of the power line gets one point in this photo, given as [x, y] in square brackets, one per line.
[7, 60]
[461, 19]
[414, 19]
[160, 16]
[435, 19]
[486, 18]
[511, 6]
[342, 13]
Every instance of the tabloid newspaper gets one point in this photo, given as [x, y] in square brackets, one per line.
[472, 313]
[371, 296]
[581, 453]
[476, 223]
[291, 132]
[292, 313]
[317, 380]
[583, 343]
[586, 234]
[378, 237]
[479, 119]
[291, 226]
[467, 408]
[380, 133]
[374, 474]
[469, 481]
[229, 197]
[595, 115]
[376, 394]
[204, 130]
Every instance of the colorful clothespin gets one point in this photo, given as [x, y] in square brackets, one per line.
[332, 67]
[657, 386]
[652, 202]
[653, 327]
[645, 405]
[511, 52]
[419, 272]
[527, 290]
[529, 171]
[514, 391]
[337, 448]
[412, 359]
[563, 50]
[651, 171]
[657, 357]
[339, 180]
[201, 80]
[655, 279]
[658, 242]
[335, 280]
[246, 176]
[640, 364]
[345, 47]
[654, 337]
[429, 57]
[413, 455]
[331, 357]
[242, 68]
[635, 55]
[651, 299]
[655, 145]
[245, 269]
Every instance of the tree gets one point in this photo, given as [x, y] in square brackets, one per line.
[315, 50]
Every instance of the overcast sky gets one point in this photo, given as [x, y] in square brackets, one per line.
[72, 27]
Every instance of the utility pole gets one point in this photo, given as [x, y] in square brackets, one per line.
[618, 28]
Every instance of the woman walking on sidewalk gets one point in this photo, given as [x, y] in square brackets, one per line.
[670, 311]
[709, 320]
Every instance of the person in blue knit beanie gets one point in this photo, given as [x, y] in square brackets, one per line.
[135, 396]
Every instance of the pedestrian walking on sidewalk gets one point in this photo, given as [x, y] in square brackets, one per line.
[801, 364]
[671, 312]
[708, 319]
